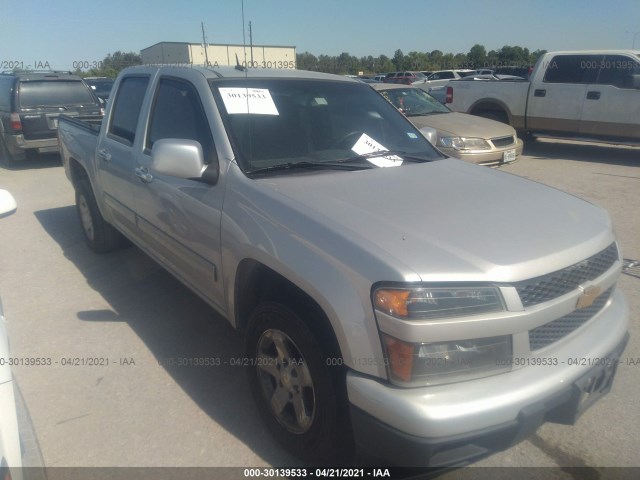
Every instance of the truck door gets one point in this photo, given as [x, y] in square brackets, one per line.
[180, 218]
[116, 155]
[556, 100]
[612, 105]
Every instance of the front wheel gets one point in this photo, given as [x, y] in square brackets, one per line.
[299, 397]
[100, 236]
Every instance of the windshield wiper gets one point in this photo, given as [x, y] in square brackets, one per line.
[386, 153]
[422, 114]
[309, 166]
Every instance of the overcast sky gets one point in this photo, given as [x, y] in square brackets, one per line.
[62, 32]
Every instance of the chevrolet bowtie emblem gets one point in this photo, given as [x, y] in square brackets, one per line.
[589, 294]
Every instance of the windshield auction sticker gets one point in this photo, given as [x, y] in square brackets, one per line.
[257, 101]
[366, 145]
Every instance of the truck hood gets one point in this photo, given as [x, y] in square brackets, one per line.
[449, 220]
[463, 125]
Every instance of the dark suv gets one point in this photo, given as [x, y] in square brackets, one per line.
[30, 104]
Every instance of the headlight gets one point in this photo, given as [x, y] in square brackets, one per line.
[413, 364]
[437, 302]
[463, 143]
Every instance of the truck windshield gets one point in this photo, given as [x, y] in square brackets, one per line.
[54, 94]
[277, 124]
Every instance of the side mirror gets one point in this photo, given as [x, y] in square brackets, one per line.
[636, 81]
[182, 159]
[7, 204]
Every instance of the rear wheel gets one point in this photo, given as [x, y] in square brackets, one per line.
[100, 236]
[299, 397]
[5, 155]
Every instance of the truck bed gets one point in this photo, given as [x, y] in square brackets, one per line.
[90, 123]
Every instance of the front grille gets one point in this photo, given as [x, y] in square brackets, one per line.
[503, 141]
[553, 331]
[553, 285]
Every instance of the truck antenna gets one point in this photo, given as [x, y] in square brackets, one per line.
[204, 44]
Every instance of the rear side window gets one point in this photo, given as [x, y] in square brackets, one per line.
[618, 70]
[6, 88]
[50, 93]
[126, 110]
[572, 69]
[178, 113]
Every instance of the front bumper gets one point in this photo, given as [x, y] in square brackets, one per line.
[483, 157]
[456, 423]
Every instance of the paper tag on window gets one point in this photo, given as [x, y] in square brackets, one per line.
[366, 144]
[248, 100]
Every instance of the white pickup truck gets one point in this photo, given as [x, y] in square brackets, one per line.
[586, 95]
[422, 308]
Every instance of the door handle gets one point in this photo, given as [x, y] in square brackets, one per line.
[593, 95]
[104, 154]
[539, 93]
[143, 174]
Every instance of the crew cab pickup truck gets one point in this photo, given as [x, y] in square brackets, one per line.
[416, 306]
[586, 95]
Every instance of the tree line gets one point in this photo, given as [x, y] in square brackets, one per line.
[477, 57]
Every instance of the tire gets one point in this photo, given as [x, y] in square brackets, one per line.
[6, 156]
[100, 236]
[526, 136]
[300, 398]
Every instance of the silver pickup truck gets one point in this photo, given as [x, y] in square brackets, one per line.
[424, 309]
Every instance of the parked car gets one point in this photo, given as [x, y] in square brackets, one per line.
[384, 291]
[10, 447]
[405, 77]
[591, 95]
[442, 77]
[101, 86]
[435, 83]
[30, 104]
[470, 138]
[380, 77]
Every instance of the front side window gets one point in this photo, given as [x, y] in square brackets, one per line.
[276, 122]
[618, 70]
[178, 113]
[126, 110]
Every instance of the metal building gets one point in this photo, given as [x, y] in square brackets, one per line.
[256, 56]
